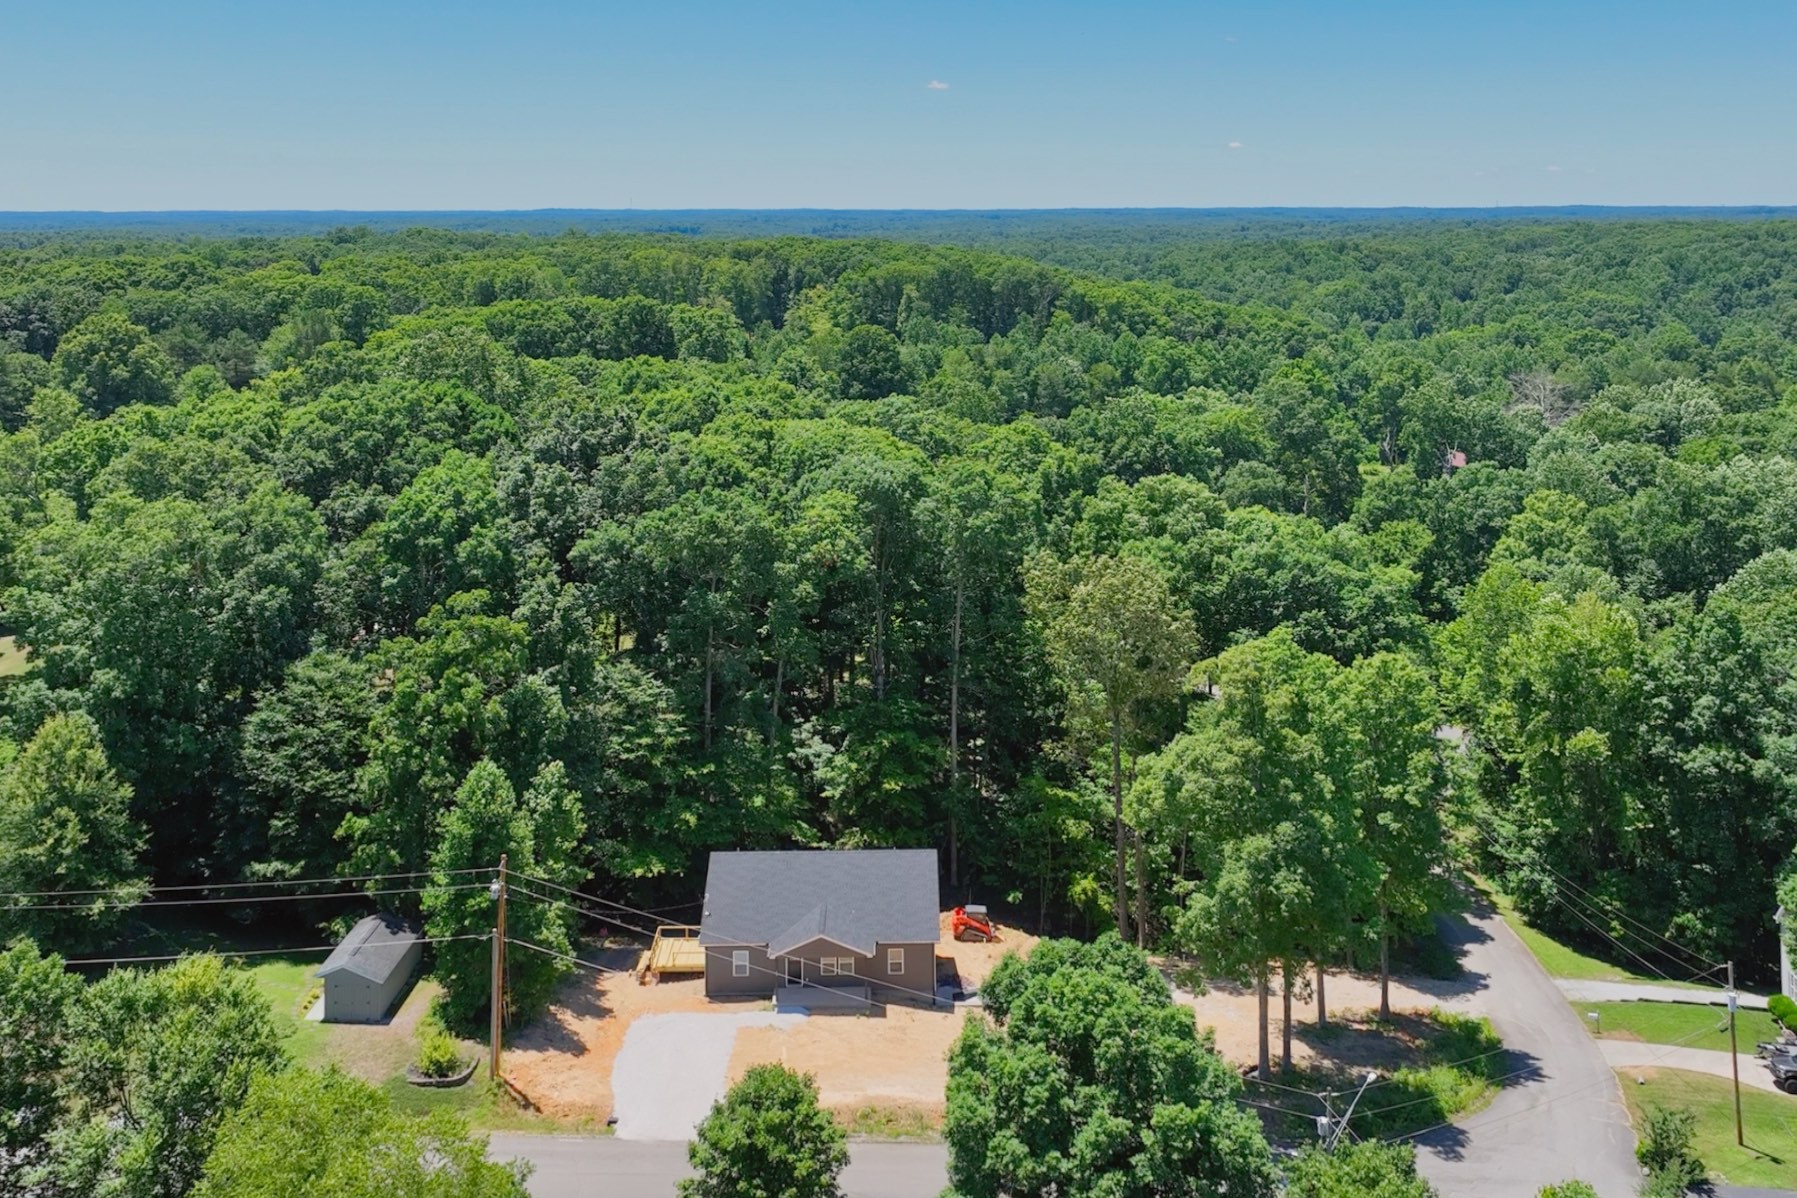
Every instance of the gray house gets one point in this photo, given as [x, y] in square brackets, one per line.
[821, 929]
[367, 971]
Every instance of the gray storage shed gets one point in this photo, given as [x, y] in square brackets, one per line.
[821, 928]
[368, 970]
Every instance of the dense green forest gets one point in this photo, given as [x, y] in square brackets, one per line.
[1138, 578]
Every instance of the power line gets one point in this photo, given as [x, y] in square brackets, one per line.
[1605, 908]
[416, 873]
[247, 952]
[549, 952]
[238, 901]
[1597, 908]
[1679, 1043]
[514, 888]
[589, 898]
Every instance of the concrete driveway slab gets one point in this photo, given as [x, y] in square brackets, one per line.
[1632, 1054]
[1582, 991]
[672, 1068]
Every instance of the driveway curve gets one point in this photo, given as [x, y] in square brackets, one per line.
[1560, 1115]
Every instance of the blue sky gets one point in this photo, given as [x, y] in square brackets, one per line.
[688, 103]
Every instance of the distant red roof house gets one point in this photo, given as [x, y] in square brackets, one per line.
[1453, 461]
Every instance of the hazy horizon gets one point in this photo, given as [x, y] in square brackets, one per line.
[197, 104]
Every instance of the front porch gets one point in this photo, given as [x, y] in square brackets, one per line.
[853, 998]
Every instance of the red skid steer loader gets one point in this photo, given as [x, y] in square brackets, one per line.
[972, 923]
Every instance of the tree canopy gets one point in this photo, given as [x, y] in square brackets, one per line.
[837, 541]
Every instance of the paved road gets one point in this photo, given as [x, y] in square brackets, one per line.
[1632, 1054]
[1561, 1114]
[672, 1068]
[594, 1166]
[1579, 991]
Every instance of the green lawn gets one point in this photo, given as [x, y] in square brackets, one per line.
[1671, 1023]
[1562, 960]
[1770, 1120]
[377, 1053]
[1432, 1069]
[883, 1122]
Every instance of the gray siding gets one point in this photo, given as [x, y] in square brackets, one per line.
[916, 983]
[351, 998]
[722, 982]
[918, 980]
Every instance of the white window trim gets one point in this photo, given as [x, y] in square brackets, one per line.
[739, 963]
[895, 960]
[833, 967]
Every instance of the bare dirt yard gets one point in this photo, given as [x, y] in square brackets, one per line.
[895, 1062]
[889, 1068]
[1232, 1011]
[563, 1061]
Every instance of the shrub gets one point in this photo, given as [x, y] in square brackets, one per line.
[767, 1137]
[438, 1053]
[1665, 1148]
[1368, 1168]
[1783, 1009]
[1568, 1189]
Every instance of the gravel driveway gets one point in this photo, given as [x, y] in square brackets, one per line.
[672, 1068]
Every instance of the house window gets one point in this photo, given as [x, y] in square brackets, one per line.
[830, 967]
[739, 963]
[895, 960]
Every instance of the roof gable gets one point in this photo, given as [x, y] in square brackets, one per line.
[374, 948]
[855, 898]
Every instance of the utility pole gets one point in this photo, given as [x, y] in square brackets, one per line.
[1734, 1059]
[1340, 1127]
[496, 996]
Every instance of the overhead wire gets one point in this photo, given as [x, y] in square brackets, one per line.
[513, 888]
[250, 952]
[234, 901]
[1605, 908]
[184, 887]
[1679, 1043]
[544, 882]
[1594, 907]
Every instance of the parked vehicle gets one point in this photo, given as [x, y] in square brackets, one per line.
[1785, 1045]
[1784, 1071]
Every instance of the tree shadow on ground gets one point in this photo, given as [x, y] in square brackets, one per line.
[580, 998]
[1429, 1070]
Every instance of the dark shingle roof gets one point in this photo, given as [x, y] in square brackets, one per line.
[858, 898]
[373, 949]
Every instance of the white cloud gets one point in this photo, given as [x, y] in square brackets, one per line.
[1235, 145]
[1554, 169]
[936, 85]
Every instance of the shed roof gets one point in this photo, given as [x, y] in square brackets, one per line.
[374, 949]
[858, 898]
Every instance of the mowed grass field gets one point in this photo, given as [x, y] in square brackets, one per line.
[376, 1053]
[1562, 960]
[1690, 1025]
[1770, 1122]
[379, 1053]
